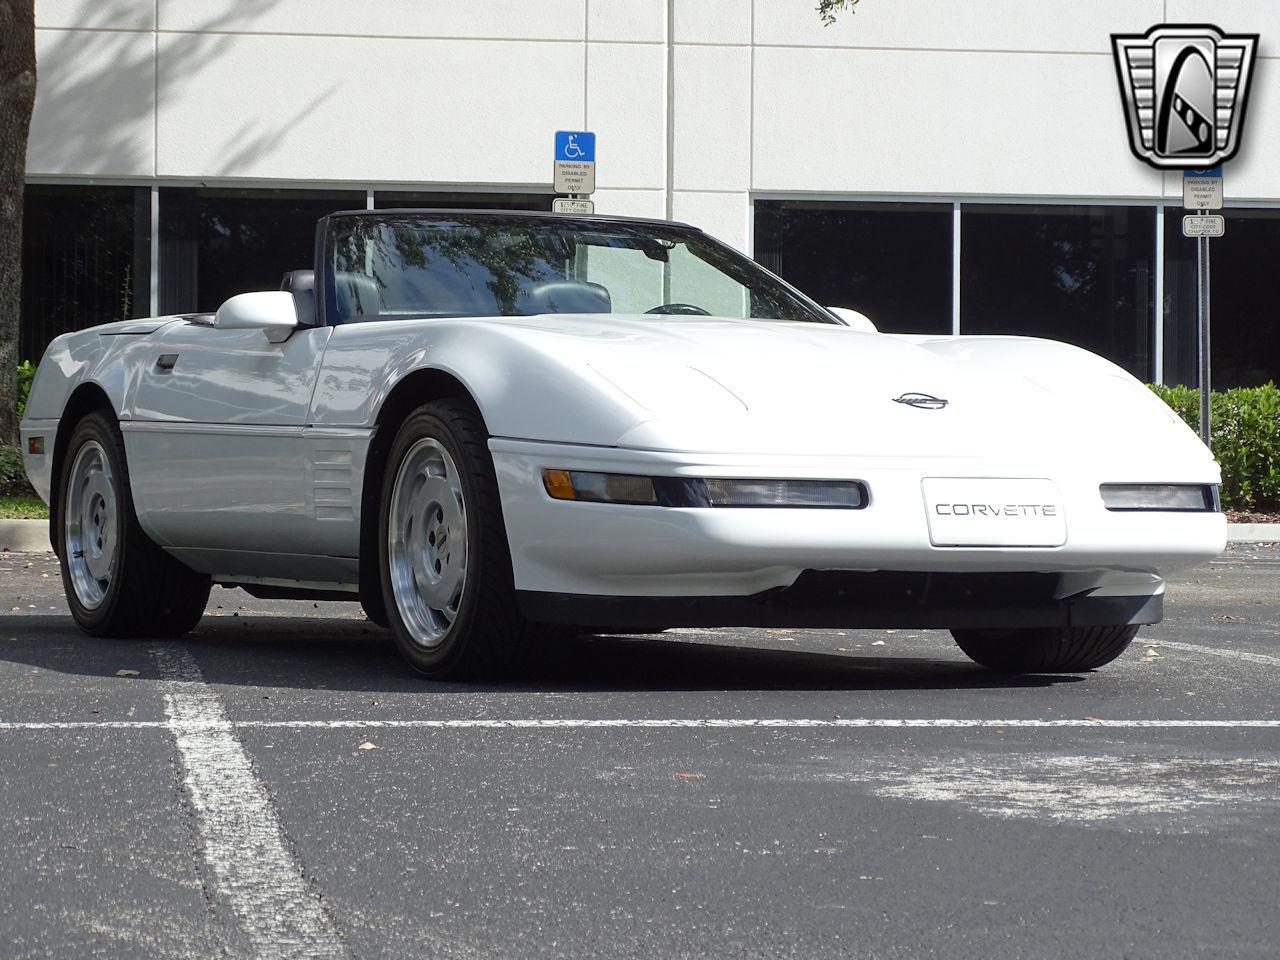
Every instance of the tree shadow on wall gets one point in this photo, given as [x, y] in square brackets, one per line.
[96, 103]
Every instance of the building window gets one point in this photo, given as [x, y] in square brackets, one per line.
[426, 200]
[889, 261]
[1082, 274]
[86, 259]
[215, 243]
[1244, 285]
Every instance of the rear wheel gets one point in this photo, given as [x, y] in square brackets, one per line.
[445, 564]
[1045, 650]
[118, 582]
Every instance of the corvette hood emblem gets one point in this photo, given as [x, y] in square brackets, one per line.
[922, 400]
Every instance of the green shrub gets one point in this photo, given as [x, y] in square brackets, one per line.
[1245, 441]
[13, 478]
[26, 373]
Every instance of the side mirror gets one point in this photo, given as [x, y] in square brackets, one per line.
[271, 311]
[855, 319]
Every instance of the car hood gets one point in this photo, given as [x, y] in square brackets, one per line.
[719, 385]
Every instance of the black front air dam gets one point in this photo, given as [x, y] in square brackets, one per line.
[843, 600]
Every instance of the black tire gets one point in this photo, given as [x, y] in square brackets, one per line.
[487, 637]
[1045, 650]
[148, 593]
[376, 613]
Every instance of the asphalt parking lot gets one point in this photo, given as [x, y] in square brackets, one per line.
[279, 785]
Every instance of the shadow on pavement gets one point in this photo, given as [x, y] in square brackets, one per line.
[350, 655]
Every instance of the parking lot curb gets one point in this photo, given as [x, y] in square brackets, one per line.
[24, 536]
[32, 536]
[1253, 532]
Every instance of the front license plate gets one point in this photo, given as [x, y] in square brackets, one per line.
[973, 512]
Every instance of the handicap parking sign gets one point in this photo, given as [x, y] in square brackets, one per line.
[576, 145]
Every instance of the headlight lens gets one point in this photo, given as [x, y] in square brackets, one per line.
[689, 492]
[786, 493]
[1200, 497]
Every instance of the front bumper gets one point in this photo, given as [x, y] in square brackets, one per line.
[836, 599]
[575, 549]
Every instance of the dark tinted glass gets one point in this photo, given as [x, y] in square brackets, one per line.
[1244, 285]
[889, 261]
[1080, 274]
[85, 260]
[391, 199]
[216, 243]
[403, 266]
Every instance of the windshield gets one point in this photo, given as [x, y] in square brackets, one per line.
[401, 266]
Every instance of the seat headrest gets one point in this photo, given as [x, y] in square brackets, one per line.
[302, 284]
[564, 296]
[298, 280]
[358, 295]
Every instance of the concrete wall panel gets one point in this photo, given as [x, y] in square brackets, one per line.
[713, 21]
[1079, 26]
[904, 97]
[490, 19]
[364, 109]
[712, 118]
[631, 20]
[626, 107]
[95, 104]
[723, 215]
[874, 121]
[1254, 172]
[1232, 16]
[631, 203]
[108, 14]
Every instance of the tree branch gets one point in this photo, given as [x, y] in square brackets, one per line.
[827, 9]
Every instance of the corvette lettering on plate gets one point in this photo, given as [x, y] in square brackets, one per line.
[977, 512]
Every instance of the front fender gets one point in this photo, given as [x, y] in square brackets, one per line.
[109, 358]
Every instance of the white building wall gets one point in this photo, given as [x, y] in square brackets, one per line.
[699, 104]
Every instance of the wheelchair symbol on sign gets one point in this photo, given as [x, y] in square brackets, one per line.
[571, 149]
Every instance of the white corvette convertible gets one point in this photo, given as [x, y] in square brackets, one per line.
[492, 428]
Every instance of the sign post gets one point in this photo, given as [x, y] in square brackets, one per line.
[1202, 283]
[1202, 190]
[575, 171]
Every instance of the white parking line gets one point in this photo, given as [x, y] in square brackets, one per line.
[86, 725]
[242, 841]
[742, 722]
[1261, 658]
[193, 725]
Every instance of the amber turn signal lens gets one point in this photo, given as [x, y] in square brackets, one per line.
[559, 484]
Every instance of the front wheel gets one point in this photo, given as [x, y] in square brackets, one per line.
[1046, 649]
[118, 582]
[445, 564]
